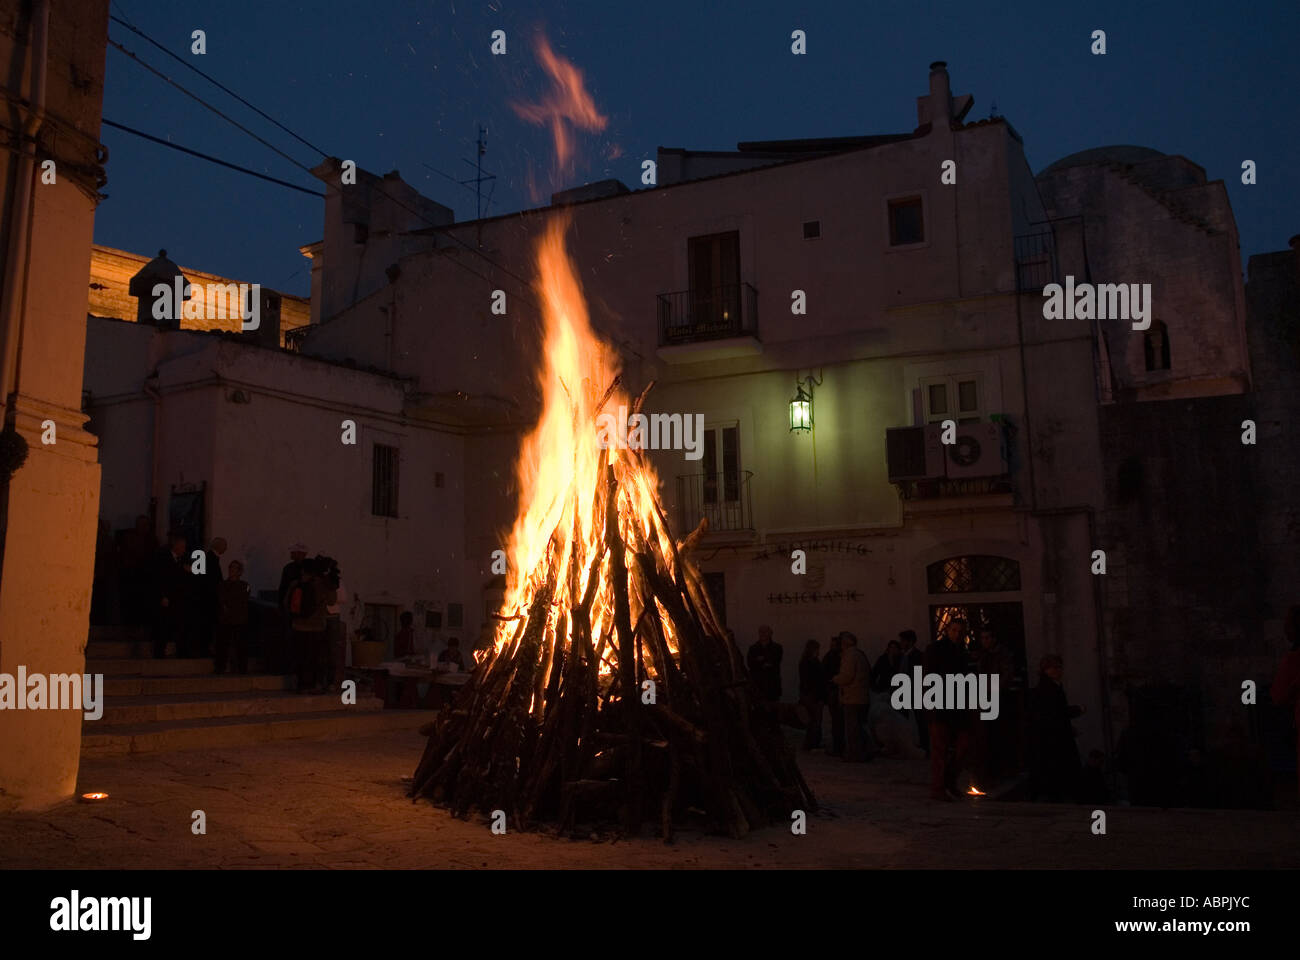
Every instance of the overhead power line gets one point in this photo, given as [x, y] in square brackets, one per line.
[217, 83]
[417, 213]
[198, 99]
[209, 158]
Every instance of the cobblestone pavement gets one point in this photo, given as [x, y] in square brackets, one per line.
[343, 805]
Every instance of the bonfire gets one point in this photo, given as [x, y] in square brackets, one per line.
[611, 691]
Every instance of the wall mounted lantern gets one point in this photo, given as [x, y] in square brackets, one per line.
[801, 406]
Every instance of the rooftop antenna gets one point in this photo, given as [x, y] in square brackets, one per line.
[479, 177]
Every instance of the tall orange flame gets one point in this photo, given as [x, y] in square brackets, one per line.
[567, 104]
[560, 470]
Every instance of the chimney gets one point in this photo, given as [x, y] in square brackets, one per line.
[940, 94]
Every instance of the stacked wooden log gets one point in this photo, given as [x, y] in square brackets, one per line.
[669, 730]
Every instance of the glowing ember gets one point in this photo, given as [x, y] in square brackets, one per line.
[975, 791]
[92, 797]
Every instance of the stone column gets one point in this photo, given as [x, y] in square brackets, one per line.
[52, 501]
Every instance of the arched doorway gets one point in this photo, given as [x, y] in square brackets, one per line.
[985, 591]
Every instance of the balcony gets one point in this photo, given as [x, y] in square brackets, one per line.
[294, 337]
[721, 498]
[709, 323]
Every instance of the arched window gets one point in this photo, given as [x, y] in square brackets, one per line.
[975, 574]
[1155, 347]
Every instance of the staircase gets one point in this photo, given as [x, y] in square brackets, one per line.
[155, 705]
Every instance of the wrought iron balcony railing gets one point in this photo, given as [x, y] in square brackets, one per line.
[722, 497]
[713, 313]
[293, 339]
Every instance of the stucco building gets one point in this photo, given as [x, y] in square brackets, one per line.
[892, 281]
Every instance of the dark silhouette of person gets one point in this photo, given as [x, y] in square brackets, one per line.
[950, 729]
[139, 560]
[170, 594]
[1053, 754]
[831, 668]
[764, 662]
[404, 642]
[913, 658]
[284, 654]
[452, 654]
[812, 692]
[231, 634]
[990, 743]
[889, 664]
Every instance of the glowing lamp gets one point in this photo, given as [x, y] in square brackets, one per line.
[801, 406]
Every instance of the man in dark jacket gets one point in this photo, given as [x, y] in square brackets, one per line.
[912, 658]
[831, 668]
[1053, 754]
[890, 664]
[812, 693]
[948, 728]
[764, 662]
[284, 655]
[169, 593]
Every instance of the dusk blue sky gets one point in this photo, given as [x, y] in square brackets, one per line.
[397, 84]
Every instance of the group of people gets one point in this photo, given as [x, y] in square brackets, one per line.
[310, 595]
[857, 695]
[197, 604]
[190, 604]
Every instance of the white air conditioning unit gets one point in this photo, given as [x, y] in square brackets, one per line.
[914, 453]
[977, 452]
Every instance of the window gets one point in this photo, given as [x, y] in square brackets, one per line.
[952, 398]
[906, 224]
[722, 464]
[455, 616]
[1155, 347]
[383, 481]
[812, 229]
[975, 574]
[381, 620]
[714, 264]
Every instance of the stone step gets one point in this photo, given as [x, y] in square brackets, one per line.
[138, 686]
[119, 649]
[118, 633]
[151, 667]
[220, 732]
[119, 711]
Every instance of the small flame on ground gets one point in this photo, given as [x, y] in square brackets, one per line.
[91, 797]
[975, 791]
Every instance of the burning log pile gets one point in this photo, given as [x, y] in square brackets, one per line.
[613, 690]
